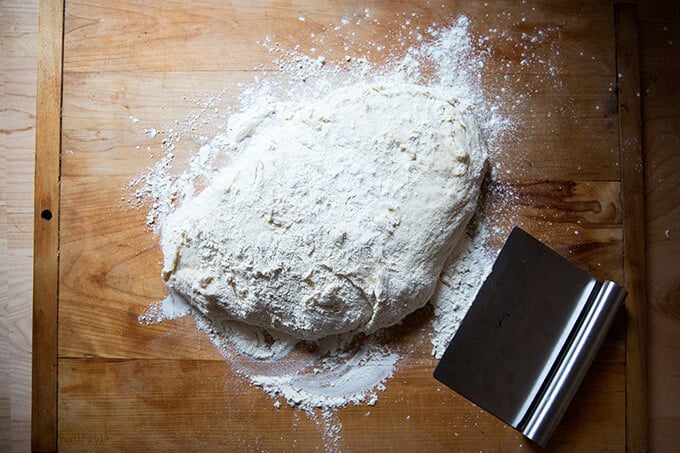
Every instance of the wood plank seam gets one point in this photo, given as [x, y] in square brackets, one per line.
[46, 221]
[632, 189]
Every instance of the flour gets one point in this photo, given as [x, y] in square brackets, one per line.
[422, 127]
[463, 275]
[334, 217]
[173, 306]
[330, 372]
[337, 381]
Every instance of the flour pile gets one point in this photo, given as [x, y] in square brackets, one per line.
[332, 204]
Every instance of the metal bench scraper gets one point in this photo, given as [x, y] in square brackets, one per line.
[529, 337]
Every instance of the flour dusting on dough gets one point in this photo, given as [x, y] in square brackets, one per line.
[334, 217]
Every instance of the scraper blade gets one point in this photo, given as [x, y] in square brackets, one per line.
[529, 337]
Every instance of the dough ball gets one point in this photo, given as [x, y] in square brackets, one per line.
[333, 216]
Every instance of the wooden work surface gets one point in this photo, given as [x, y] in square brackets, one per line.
[122, 385]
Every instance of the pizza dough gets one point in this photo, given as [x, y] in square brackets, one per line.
[333, 216]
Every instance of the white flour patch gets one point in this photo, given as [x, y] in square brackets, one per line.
[172, 307]
[319, 377]
[463, 275]
[332, 382]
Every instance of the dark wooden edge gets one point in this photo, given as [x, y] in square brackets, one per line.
[632, 188]
[46, 223]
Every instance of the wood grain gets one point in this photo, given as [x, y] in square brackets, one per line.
[46, 243]
[660, 62]
[211, 36]
[572, 205]
[561, 184]
[660, 72]
[632, 185]
[162, 401]
[18, 61]
[660, 66]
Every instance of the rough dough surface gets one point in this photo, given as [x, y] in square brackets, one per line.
[334, 216]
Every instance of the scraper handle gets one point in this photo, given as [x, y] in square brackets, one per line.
[579, 353]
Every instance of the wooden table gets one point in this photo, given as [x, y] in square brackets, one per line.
[103, 381]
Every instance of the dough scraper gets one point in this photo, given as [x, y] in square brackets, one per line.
[529, 337]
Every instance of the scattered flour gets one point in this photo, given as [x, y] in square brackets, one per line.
[463, 275]
[172, 307]
[325, 374]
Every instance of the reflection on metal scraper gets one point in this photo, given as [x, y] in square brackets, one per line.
[530, 336]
